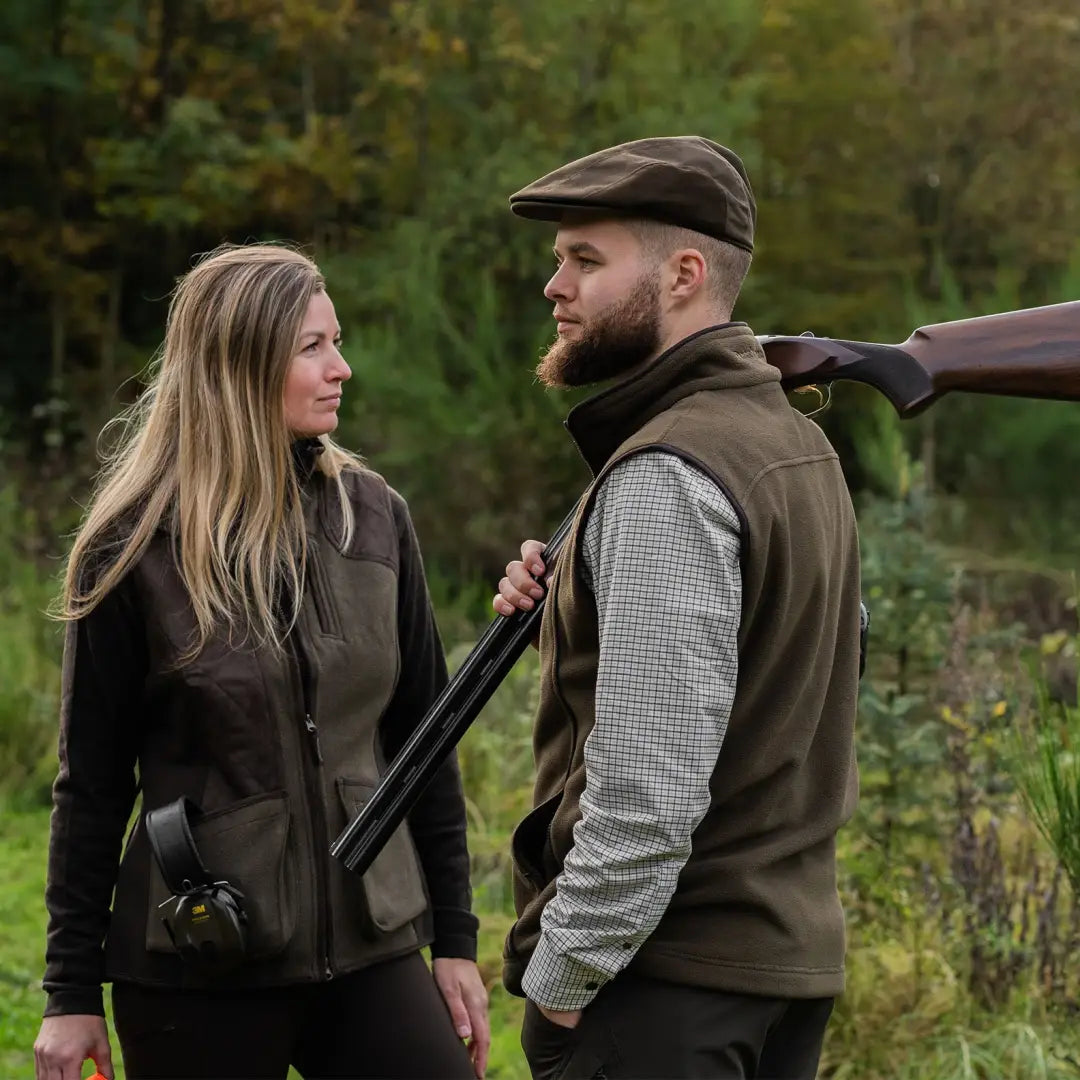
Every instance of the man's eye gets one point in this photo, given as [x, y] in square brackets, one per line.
[584, 263]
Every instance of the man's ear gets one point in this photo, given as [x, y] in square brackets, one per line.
[688, 272]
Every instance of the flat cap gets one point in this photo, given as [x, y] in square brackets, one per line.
[682, 179]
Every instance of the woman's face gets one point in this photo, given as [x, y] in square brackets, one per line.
[316, 372]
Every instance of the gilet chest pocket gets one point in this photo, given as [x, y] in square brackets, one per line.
[322, 594]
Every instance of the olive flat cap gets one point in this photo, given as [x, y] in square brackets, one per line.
[683, 179]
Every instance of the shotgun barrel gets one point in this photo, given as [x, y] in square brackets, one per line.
[487, 664]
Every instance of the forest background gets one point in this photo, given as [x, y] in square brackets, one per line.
[913, 160]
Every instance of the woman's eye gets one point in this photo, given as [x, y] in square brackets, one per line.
[312, 347]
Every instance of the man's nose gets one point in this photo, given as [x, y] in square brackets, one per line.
[558, 287]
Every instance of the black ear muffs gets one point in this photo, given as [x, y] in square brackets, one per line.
[207, 923]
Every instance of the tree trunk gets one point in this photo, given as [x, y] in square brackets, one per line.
[110, 339]
[53, 126]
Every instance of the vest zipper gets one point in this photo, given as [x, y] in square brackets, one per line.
[313, 731]
[313, 778]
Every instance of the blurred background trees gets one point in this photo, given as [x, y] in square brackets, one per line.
[912, 162]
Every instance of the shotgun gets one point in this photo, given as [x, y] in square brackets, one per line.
[1034, 352]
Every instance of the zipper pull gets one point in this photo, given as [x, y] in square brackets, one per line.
[313, 731]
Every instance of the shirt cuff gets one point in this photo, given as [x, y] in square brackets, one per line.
[83, 1001]
[560, 982]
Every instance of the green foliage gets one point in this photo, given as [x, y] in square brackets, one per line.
[23, 837]
[496, 465]
[1006, 457]
[29, 667]
[388, 138]
[1046, 764]
[497, 774]
[907, 587]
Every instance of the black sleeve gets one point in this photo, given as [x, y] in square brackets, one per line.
[437, 821]
[103, 677]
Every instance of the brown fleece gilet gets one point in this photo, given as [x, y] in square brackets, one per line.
[756, 908]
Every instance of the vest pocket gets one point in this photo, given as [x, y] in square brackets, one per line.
[531, 843]
[393, 887]
[245, 845]
[322, 596]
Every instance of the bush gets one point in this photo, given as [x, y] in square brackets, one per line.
[1046, 765]
[444, 403]
[30, 646]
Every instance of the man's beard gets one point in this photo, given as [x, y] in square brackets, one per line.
[623, 335]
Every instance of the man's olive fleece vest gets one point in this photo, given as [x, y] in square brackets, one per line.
[756, 908]
[236, 729]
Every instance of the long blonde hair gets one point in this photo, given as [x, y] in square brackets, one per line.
[205, 453]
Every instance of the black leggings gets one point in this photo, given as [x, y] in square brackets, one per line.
[388, 1020]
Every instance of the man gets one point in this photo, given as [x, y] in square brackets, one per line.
[675, 884]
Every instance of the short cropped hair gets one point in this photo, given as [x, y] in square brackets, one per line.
[727, 264]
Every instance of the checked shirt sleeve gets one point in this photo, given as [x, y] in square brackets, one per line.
[661, 551]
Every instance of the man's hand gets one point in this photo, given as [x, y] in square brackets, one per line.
[519, 589]
[569, 1019]
[463, 991]
[65, 1042]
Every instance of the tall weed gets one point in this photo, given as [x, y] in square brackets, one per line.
[29, 662]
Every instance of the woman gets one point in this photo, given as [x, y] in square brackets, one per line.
[249, 627]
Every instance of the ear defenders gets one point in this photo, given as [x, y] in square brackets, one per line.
[207, 923]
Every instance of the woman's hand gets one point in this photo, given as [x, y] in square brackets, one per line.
[463, 991]
[65, 1042]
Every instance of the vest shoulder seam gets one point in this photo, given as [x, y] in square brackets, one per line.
[788, 463]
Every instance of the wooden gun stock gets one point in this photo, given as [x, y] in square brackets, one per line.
[1030, 353]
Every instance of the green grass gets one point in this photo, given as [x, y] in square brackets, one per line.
[23, 840]
[1047, 766]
